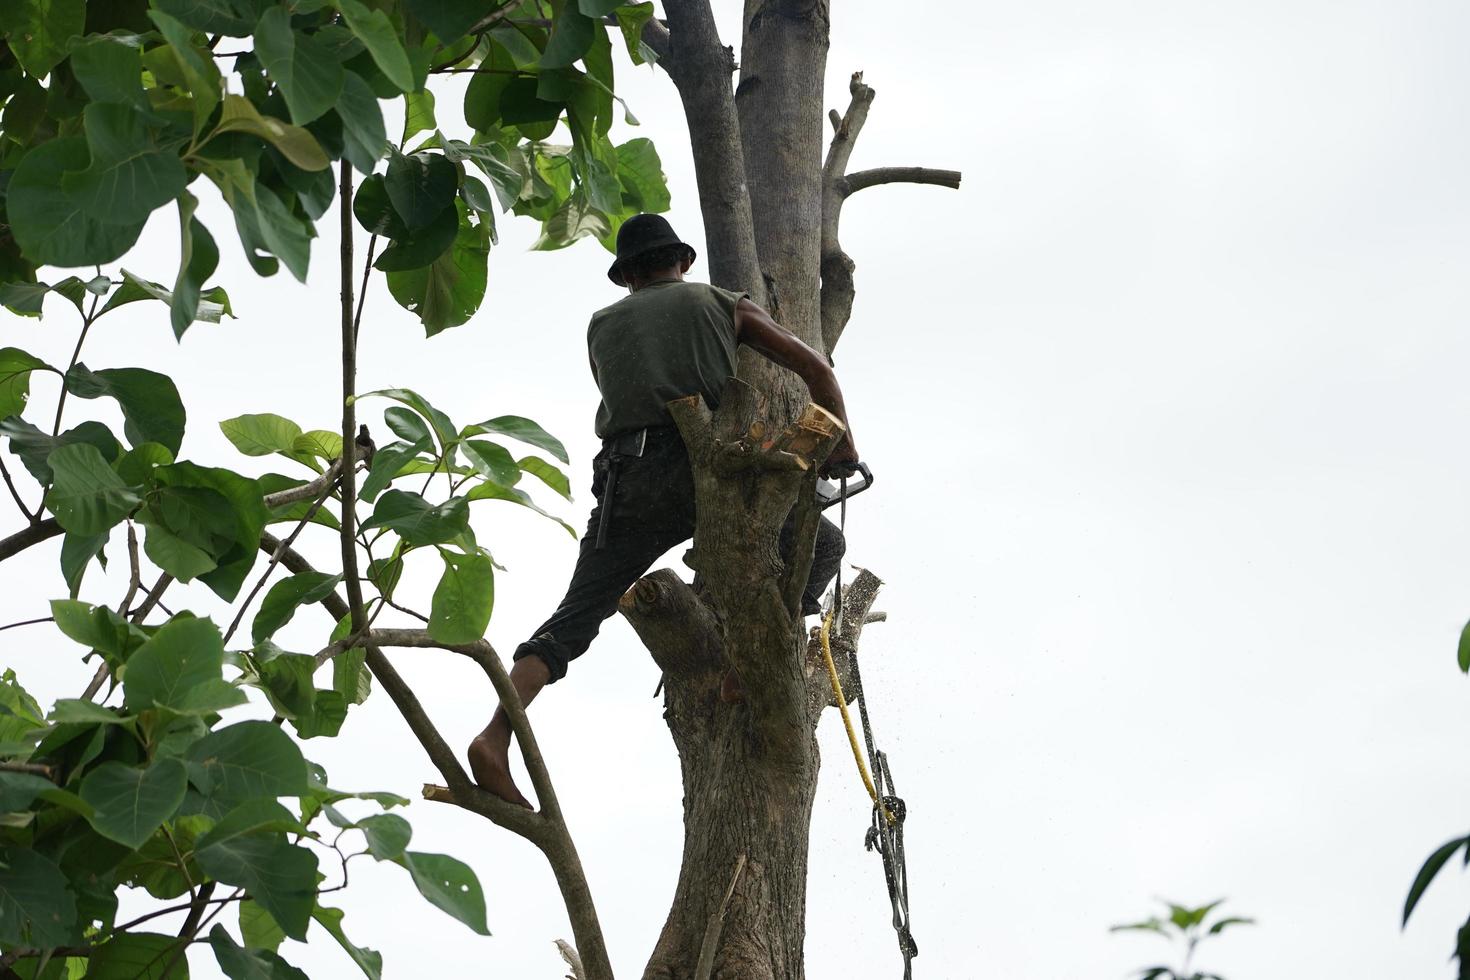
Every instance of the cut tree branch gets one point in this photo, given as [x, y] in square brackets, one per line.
[838, 291]
[24, 538]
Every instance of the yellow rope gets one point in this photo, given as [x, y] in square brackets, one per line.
[857, 752]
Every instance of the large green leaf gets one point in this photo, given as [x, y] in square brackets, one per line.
[547, 474]
[448, 292]
[296, 144]
[38, 31]
[463, 600]
[418, 115]
[1431, 867]
[421, 247]
[150, 403]
[308, 74]
[631, 18]
[109, 69]
[182, 560]
[211, 16]
[18, 790]
[376, 31]
[36, 907]
[388, 461]
[246, 506]
[417, 521]
[449, 884]
[492, 461]
[387, 835]
[179, 668]
[200, 75]
[522, 430]
[257, 927]
[364, 137]
[443, 428]
[367, 960]
[95, 627]
[130, 803]
[198, 258]
[570, 39]
[87, 497]
[240, 963]
[129, 175]
[15, 379]
[261, 434]
[51, 225]
[493, 491]
[288, 595]
[278, 875]
[136, 956]
[448, 19]
[247, 759]
[254, 816]
[420, 186]
[34, 446]
[641, 174]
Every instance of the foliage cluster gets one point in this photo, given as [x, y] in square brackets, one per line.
[111, 112]
[1185, 928]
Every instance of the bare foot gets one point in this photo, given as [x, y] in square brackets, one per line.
[731, 690]
[490, 766]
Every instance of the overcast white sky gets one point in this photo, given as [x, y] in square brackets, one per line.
[1168, 411]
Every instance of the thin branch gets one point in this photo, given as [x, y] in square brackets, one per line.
[23, 539]
[157, 913]
[134, 573]
[367, 270]
[32, 768]
[26, 622]
[328, 479]
[307, 491]
[857, 181]
[15, 494]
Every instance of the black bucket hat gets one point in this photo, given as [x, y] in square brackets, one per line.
[643, 233]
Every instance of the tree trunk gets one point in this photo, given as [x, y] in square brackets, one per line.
[770, 206]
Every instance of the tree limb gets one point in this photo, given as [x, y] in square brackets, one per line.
[24, 538]
[680, 632]
[701, 66]
[855, 182]
[838, 290]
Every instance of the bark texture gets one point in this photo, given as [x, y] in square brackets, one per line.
[771, 205]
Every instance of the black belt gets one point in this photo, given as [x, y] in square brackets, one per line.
[624, 445]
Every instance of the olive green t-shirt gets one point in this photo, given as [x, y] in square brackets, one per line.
[667, 340]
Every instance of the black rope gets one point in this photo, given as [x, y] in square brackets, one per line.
[884, 837]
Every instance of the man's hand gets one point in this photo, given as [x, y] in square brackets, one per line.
[842, 462]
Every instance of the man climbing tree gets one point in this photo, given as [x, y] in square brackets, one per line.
[669, 338]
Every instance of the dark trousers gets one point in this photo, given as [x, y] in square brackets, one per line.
[652, 511]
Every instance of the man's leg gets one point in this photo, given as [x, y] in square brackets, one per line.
[651, 517]
[827, 551]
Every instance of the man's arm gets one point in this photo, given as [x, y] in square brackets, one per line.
[755, 328]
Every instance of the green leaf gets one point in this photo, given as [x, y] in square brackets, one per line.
[129, 175]
[364, 137]
[1426, 874]
[521, 430]
[389, 461]
[1224, 924]
[475, 194]
[68, 711]
[38, 31]
[463, 600]
[286, 678]
[367, 960]
[211, 16]
[15, 379]
[288, 595]
[492, 461]
[95, 627]
[136, 956]
[309, 76]
[406, 425]
[251, 817]
[1465, 649]
[130, 803]
[135, 288]
[50, 224]
[36, 908]
[109, 69]
[598, 8]
[297, 145]
[417, 521]
[257, 927]
[150, 403]
[376, 31]
[349, 678]
[320, 443]
[443, 428]
[278, 875]
[418, 115]
[174, 555]
[420, 187]
[261, 434]
[87, 496]
[77, 552]
[448, 292]
[18, 790]
[373, 210]
[448, 19]
[419, 248]
[242, 503]
[450, 885]
[179, 668]
[570, 39]
[200, 75]
[631, 18]
[198, 258]
[240, 963]
[247, 759]
[34, 446]
[493, 491]
[547, 474]
[573, 220]
[641, 174]
[387, 835]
